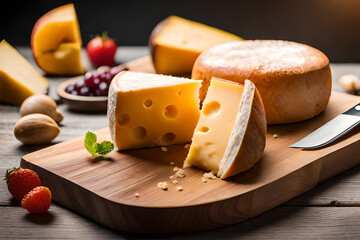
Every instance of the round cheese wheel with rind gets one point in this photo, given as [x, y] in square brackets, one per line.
[294, 79]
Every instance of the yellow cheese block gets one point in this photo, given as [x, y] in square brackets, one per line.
[56, 42]
[175, 43]
[231, 132]
[18, 78]
[146, 110]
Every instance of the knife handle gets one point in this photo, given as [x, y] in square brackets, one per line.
[355, 111]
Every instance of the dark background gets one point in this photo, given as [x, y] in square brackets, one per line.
[333, 26]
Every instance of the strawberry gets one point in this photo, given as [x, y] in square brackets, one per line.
[101, 50]
[37, 200]
[21, 181]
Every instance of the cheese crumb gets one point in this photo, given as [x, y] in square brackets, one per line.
[172, 176]
[163, 186]
[209, 175]
[175, 181]
[137, 194]
[187, 146]
[172, 163]
[179, 188]
[203, 180]
[275, 136]
[164, 149]
[176, 169]
[180, 173]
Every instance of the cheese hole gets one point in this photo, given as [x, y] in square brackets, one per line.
[138, 133]
[124, 119]
[179, 92]
[203, 129]
[171, 111]
[167, 138]
[211, 108]
[148, 103]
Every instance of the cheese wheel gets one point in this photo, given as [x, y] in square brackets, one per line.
[294, 79]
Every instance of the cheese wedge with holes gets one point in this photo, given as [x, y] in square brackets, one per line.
[175, 43]
[146, 110]
[231, 133]
[18, 78]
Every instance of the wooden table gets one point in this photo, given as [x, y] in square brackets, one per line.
[329, 211]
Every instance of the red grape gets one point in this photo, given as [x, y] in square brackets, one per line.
[79, 84]
[95, 83]
[84, 91]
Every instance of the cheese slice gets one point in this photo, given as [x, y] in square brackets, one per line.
[18, 78]
[175, 43]
[226, 129]
[146, 110]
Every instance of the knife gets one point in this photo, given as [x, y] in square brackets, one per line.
[331, 130]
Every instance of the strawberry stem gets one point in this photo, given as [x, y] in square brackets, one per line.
[104, 36]
[9, 171]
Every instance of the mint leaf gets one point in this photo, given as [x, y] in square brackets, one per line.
[95, 148]
[90, 143]
[105, 147]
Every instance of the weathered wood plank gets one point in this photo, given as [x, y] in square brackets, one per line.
[279, 223]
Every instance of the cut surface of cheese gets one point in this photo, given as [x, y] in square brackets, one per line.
[18, 78]
[56, 42]
[294, 79]
[175, 43]
[215, 125]
[224, 122]
[146, 110]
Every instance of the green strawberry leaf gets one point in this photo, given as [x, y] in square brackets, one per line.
[105, 147]
[90, 143]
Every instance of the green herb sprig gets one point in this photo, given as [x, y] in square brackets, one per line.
[95, 148]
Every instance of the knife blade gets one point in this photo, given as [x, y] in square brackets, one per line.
[331, 130]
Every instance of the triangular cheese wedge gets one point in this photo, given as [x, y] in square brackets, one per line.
[56, 42]
[175, 43]
[147, 110]
[231, 133]
[248, 136]
[18, 78]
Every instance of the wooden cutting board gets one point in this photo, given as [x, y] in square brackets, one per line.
[105, 190]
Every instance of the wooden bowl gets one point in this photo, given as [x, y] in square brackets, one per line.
[81, 103]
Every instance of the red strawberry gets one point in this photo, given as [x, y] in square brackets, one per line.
[21, 181]
[37, 200]
[101, 50]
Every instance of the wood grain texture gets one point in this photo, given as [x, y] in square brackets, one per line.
[108, 187]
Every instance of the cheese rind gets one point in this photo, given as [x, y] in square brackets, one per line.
[175, 43]
[18, 78]
[294, 79]
[248, 137]
[147, 110]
